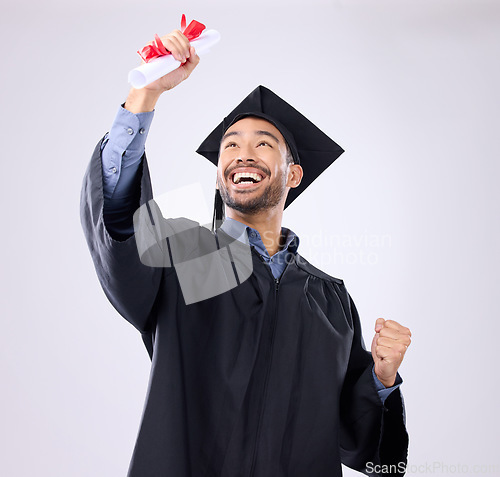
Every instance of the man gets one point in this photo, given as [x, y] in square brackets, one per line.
[270, 376]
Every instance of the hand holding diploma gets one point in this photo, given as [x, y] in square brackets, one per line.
[144, 99]
[159, 61]
[185, 56]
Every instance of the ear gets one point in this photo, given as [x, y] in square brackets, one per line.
[295, 174]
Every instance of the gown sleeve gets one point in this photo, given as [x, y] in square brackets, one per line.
[372, 434]
[130, 286]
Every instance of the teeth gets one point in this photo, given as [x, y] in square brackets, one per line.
[244, 177]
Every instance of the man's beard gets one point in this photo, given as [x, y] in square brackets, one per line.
[269, 198]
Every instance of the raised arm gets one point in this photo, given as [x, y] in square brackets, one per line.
[130, 286]
[123, 148]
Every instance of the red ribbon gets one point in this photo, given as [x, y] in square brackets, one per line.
[157, 48]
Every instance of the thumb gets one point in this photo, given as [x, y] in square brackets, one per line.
[379, 324]
[192, 61]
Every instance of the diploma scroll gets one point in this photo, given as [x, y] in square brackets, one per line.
[149, 72]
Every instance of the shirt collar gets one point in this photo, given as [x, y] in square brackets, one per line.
[250, 236]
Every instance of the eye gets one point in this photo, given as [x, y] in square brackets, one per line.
[230, 144]
[263, 143]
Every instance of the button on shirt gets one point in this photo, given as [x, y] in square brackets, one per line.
[122, 150]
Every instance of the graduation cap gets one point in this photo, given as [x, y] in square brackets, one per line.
[310, 147]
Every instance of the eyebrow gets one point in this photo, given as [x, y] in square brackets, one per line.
[256, 133]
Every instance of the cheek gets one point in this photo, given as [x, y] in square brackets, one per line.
[225, 160]
[220, 175]
[221, 168]
[279, 169]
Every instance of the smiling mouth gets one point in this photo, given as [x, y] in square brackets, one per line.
[246, 178]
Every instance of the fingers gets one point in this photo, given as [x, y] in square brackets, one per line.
[396, 326]
[393, 329]
[391, 334]
[177, 44]
[395, 335]
[390, 355]
[391, 340]
[390, 347]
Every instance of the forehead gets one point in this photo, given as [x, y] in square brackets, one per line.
[254, 125]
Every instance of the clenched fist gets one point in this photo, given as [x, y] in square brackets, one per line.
[389, 346]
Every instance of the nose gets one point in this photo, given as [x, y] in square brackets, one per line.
[239, 160]
[246, 153]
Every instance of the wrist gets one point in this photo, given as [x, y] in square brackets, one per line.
[141, 100]
[388, 383]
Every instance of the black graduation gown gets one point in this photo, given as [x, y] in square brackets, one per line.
[270, 379]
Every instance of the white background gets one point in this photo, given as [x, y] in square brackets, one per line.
[408, 216]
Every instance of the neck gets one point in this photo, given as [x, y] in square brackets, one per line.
[267, 223]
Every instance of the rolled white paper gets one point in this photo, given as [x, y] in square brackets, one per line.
[149, 72]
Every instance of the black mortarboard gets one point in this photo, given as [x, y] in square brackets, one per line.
[310, 147]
